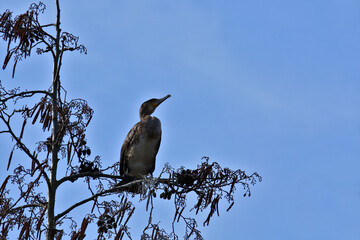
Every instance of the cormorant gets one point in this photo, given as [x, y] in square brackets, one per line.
[138, 152]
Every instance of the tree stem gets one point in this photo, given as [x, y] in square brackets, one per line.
[50, 235]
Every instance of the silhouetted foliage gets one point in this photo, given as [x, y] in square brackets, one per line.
[26, 32]
[26, 209]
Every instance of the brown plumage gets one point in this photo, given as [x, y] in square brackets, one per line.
[138, 152]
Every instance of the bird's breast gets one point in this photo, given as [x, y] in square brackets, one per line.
[152, 127]
[141, 154]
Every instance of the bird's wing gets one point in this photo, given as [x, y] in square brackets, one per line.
[156, 151]
[130, 138]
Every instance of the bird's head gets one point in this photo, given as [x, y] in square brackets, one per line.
[148, 107]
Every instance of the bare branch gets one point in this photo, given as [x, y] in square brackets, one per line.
[86, 174]
[25, 94]
[26, 206]
[95, 196]
[25, 149]
[48, 25]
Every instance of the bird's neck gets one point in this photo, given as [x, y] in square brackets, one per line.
[144, 117]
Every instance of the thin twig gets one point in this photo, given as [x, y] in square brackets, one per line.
[25, 94]
[86, 174]
[24, 148]
[26, 206]
[100, 194]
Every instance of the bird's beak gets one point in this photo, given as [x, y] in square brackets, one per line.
[159, 101]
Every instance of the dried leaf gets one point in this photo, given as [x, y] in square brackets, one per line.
[231, 205]
[41, 107]
[180, 213]
[22, 129]
[7, 58]
[13, 72]
[84, 225]
[68, 148]
[24, 229]
[87, 123]
[11, 154]
[38, 225]
[33, 165]
[2, 188]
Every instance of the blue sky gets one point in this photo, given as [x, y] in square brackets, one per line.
[266, 86]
